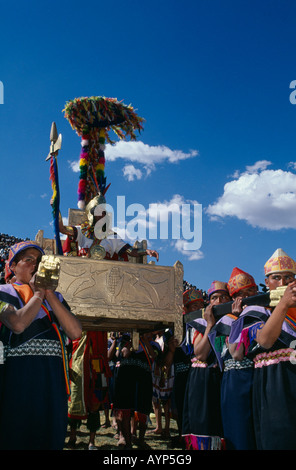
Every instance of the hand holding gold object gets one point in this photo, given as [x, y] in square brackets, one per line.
[48, 273]
[276, 295]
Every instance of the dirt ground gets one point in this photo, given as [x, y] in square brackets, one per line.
[106, 437]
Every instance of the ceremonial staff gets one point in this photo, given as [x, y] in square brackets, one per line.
[55, 146]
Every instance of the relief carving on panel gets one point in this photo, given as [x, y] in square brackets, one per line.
[122, 292]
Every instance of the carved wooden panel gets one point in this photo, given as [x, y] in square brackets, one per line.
[114, 295]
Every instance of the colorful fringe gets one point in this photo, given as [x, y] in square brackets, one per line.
[248, 335]
[55, 201]
[92, 167]
[274, 357]
[98, 112]
[83, 167]
[193, 442]
[291, 317]
[93, 118]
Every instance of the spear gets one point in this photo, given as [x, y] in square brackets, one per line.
[55, 146]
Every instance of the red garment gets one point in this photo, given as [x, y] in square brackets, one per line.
[94, 369]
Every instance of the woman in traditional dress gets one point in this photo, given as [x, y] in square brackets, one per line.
[35, 386]
[202, 424]
[133, 387]
[179, 358]
[268, 337]
[237, 377]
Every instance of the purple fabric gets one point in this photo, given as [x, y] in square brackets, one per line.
[10, 290]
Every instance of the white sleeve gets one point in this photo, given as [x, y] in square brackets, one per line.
[113, 245]
[83, 242]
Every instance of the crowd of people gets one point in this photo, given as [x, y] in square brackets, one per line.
[229, 384]
[239, 387]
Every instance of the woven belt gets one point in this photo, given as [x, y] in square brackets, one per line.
[133, 362]
[35, 347]
[231, 364]
[274, 357]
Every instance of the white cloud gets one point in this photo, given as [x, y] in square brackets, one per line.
[292, 165]
[143, 154]
[160, 210]
[192, 255]
[260, 165]
[263, 198]
[131, 173]
[74, 166]
[137, 151]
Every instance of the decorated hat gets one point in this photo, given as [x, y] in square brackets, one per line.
[191, 295]
[279, 262]
[21, 246]
[217, 286]
[239, 280]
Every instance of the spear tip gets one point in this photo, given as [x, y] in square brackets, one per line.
[53, 133]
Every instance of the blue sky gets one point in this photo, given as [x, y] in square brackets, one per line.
[212, 80]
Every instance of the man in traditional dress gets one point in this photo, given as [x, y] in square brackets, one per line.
[267, 336]
[237, 378]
